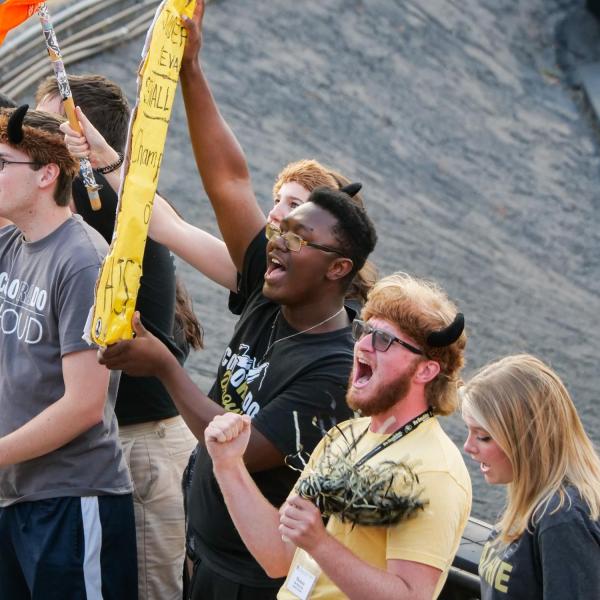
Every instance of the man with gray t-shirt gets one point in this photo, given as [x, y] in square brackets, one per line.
[66, 511]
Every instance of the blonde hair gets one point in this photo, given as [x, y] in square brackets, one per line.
[311, 174]
[527, 410]
[419, 307]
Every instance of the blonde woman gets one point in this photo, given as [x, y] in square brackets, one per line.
[525, 432]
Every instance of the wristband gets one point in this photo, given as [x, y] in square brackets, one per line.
[112, 167]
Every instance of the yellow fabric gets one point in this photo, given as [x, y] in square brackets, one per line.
[119, 279]
[433, 535]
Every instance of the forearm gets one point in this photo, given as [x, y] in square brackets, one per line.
[218, 154]
[197, 409]
[356, 578]
[51, 429]
[222, 166]
[255, 519]
[114, 179]
[108, 156]
[203, 251]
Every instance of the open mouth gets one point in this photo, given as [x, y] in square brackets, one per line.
[484, 468]
[275, 269]
[362, 373]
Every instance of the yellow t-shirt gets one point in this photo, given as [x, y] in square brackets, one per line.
[432, 536]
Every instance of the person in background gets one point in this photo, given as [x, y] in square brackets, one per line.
[156, 441]
[525, 433]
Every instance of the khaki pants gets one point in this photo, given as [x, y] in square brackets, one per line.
[157, 453]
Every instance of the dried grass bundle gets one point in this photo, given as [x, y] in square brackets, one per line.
[379, 495]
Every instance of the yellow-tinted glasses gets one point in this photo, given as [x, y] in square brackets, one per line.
[294, 242]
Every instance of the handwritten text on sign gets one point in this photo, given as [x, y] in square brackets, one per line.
[119, 279]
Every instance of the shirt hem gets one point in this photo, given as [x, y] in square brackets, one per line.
[75, 492]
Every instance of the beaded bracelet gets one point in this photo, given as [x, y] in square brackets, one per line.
[112, 167]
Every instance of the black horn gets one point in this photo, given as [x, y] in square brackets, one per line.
[14, 127]
[448, 335]
[351, 189]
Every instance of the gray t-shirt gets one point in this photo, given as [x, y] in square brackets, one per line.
[46, 290]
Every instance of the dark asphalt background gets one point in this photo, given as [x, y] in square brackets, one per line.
[478, 158]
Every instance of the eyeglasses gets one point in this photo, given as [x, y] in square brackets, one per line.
[294, 242]
[380, 340]
[4, 162]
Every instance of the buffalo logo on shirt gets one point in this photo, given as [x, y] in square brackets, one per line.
[241, 370]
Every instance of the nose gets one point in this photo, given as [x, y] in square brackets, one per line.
[365, 344]
[469, 446]
[277, 242]
[276, 214]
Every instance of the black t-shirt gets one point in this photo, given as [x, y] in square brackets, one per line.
[304, 377]
[558, 558]
[257, 255]
[140, 399]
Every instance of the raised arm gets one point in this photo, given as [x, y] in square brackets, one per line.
[80, 408]
[256, 520]
[220, 159]
[197, 247]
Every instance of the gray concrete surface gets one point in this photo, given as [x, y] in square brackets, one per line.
[479, 162]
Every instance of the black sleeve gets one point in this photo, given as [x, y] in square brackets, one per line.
[319, 402]
[156, 296]
[253, 273]
[570, 559]
[103, 220]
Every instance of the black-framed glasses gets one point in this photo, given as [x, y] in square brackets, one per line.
[380, 340]
[294, 242]
[4, 162]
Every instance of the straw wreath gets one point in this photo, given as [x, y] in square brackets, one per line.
[379, 495]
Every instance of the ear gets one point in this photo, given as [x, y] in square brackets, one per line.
[48, 175]
[339, 268]
[427, 371]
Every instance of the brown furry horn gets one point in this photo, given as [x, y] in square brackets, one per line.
[14, 127]
[351, 189]
[448, 335]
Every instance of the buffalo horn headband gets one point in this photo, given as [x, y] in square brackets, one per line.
[38, 135]
[448, 335]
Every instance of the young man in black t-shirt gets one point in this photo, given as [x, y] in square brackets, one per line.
[286, 366]
[288, 362]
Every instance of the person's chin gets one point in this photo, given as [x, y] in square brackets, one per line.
[358, 399]
[274, 292]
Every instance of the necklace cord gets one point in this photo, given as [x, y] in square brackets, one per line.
[287, 337]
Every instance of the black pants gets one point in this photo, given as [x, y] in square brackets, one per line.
[68, 548]
[208, 585]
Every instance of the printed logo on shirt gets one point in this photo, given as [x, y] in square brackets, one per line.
[241, 371]
[493, 569]
[21, 306]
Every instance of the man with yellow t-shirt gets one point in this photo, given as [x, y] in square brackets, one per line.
[408, 354]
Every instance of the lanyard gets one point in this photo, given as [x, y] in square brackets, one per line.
[393, 437]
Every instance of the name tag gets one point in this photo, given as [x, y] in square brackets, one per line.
[301, 582]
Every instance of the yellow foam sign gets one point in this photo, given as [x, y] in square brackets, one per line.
[119, 279]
